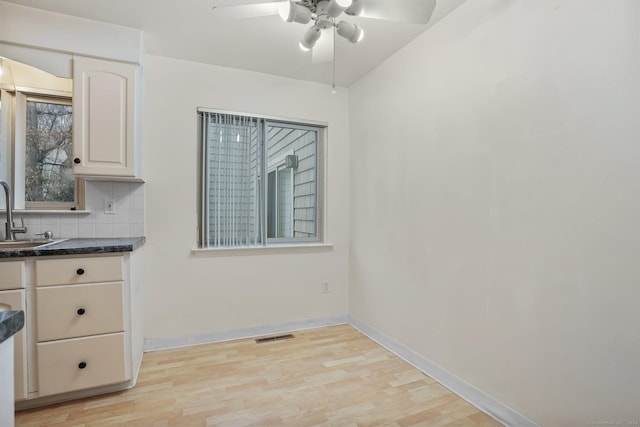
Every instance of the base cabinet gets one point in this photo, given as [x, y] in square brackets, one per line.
[81, 324]
[81, 335]
[13, 297]
[15, 300]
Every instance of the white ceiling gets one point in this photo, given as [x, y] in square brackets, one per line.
[190, 30]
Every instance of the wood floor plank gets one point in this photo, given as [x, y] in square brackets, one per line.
[334, 377]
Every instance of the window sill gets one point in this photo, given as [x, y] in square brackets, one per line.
[50, 212]
[262, 250]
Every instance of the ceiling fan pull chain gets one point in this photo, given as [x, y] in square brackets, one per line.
[333, 81]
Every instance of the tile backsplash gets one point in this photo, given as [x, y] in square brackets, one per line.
[127, 221]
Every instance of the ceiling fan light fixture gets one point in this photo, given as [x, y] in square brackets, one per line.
[355, 8]
[349, 31]
[310, 38]
[336, 7]
[290, 11]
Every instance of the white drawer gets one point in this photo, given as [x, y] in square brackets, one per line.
[69, 271]
[81, 363]
[11, 275]
[79, 310]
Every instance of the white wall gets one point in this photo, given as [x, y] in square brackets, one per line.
[23, 27]
[187, 294]
[495, 174]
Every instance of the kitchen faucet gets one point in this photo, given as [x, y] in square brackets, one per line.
[10, 228]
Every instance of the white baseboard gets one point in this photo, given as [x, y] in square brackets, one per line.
[477, 398]
[35, 402]
[164, 343]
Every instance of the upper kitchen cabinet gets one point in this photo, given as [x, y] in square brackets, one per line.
[105, 135]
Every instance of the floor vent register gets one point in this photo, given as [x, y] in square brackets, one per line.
[274, 338]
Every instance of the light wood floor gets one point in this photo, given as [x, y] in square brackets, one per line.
[331, 376]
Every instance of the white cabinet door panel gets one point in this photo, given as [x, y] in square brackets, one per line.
[104, 118]
[10, 301]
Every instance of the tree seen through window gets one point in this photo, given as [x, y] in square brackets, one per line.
[48, 174]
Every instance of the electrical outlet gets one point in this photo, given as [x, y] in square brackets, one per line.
[325, 287]
[109, 206]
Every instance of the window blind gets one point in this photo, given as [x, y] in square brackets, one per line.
[233, 160]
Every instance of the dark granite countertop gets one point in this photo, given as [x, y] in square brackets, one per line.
[10, 323]
[78, 246]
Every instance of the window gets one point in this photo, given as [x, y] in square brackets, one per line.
[36, 140]
[261, 181]
[48, 150]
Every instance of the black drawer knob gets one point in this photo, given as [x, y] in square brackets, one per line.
[82, 365]
[80, 271]
[76, 160]
[81, 311]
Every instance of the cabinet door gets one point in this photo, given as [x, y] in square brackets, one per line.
[11, 275]
[103, 118]
[9, 301]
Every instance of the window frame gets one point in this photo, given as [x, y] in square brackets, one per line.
[15, 136]
[276, 169]
[320, 182]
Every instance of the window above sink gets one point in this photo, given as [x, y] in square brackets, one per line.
[36, 139]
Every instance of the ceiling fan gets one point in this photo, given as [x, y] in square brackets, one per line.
[326, 16]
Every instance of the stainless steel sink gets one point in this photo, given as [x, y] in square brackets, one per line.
[27, 244]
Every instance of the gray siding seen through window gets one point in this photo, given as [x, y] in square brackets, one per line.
[301, 143]
[259, 181]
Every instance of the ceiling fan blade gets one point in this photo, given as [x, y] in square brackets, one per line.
[323, 50]
[246, 10]
[411, 11]
[225, 3]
